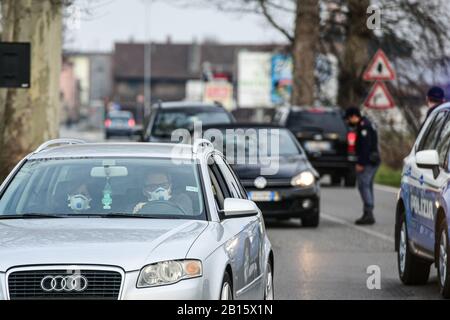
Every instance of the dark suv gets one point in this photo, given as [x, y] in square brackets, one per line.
[326, 138]
[166, 117]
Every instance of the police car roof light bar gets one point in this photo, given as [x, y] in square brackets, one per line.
[55, 142]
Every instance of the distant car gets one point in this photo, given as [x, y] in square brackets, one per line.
[326, 138]
[130, 221]
[423, 205]
[166, 117]
[119, 124]
[274, 170]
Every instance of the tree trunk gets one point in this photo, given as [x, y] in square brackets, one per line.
[305, 46]
[352, 88]
[30, 116]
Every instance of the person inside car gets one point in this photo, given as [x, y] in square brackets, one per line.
[159, 188]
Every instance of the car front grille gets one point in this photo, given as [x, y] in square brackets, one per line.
[100, 284]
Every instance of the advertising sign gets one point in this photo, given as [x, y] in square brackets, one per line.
[254, 83]
[220, 91]
[282, 68]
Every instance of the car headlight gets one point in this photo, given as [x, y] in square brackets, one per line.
[169, 272]
[304, 179]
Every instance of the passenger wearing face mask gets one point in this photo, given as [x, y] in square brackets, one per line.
[158, 187]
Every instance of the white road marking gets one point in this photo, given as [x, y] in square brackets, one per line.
[365, 230]
[386, 188]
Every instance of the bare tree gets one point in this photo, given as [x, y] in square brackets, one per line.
[413, 33]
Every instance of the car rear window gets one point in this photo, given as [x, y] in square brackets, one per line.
[321, 121]
[168, 121]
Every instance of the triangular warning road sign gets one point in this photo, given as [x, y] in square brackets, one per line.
[379, 97]
[379, 69]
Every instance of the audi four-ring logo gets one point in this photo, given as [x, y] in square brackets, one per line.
[71, 283]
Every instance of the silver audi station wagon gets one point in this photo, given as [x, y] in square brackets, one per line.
[130, 221]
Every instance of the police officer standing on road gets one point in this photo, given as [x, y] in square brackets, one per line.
[435, 97]
[368, 161]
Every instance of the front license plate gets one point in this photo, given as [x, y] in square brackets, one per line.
[318, 146]
[264, 196]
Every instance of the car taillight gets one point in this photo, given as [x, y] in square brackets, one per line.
[351, 142]
[107, 123]
[131, 122]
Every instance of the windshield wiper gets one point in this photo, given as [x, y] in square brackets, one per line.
[139, 216]
[31, 216]
[120, 215]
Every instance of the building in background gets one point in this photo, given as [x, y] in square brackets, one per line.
[86, 83]
[182, 71]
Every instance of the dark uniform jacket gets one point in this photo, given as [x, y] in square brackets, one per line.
[367, 144]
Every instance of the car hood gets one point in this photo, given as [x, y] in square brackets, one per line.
[127, 243]
[288, 167]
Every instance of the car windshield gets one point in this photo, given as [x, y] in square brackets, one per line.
[258, 142]
[322, 122]
[168, 121]
[153, 188]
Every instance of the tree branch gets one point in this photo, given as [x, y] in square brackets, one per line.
[272, 21]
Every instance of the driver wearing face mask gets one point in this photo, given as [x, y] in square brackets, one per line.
[79, 199]
[158, 187]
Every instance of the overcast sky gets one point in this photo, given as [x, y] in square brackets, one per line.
[122, 20]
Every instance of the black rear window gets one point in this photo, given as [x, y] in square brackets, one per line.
[169, 120]
[320, 121]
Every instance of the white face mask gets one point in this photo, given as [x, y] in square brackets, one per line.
[79, 202]
[159, 194]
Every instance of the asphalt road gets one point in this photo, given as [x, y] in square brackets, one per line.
[331, 262]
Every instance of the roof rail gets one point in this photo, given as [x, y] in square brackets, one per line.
[199, 143]
[54, 142]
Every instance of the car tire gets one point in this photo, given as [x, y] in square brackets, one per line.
[443, 260]
[350, 179]
[412, 269]
[268, 287]
[311, 221]
[227, 288]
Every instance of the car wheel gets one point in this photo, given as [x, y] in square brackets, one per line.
[227, 288]
[311, 221]
[411, 269]
[350, 179]
[442, 261]
[268, 289]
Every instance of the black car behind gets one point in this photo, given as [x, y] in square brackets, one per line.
[325, 137]
[273, 168]
[166, 117]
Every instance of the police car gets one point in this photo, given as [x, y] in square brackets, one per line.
[423, 208]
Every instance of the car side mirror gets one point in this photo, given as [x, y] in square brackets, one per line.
[428, 159]
[238, 208]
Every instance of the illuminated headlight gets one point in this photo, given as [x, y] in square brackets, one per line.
[304, 179]
[169, 272]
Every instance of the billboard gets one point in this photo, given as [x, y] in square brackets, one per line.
[281, 78]
[254, 83]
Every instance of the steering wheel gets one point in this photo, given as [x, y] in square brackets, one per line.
[154, 204]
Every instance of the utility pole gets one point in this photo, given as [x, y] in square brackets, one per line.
[147, 60]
